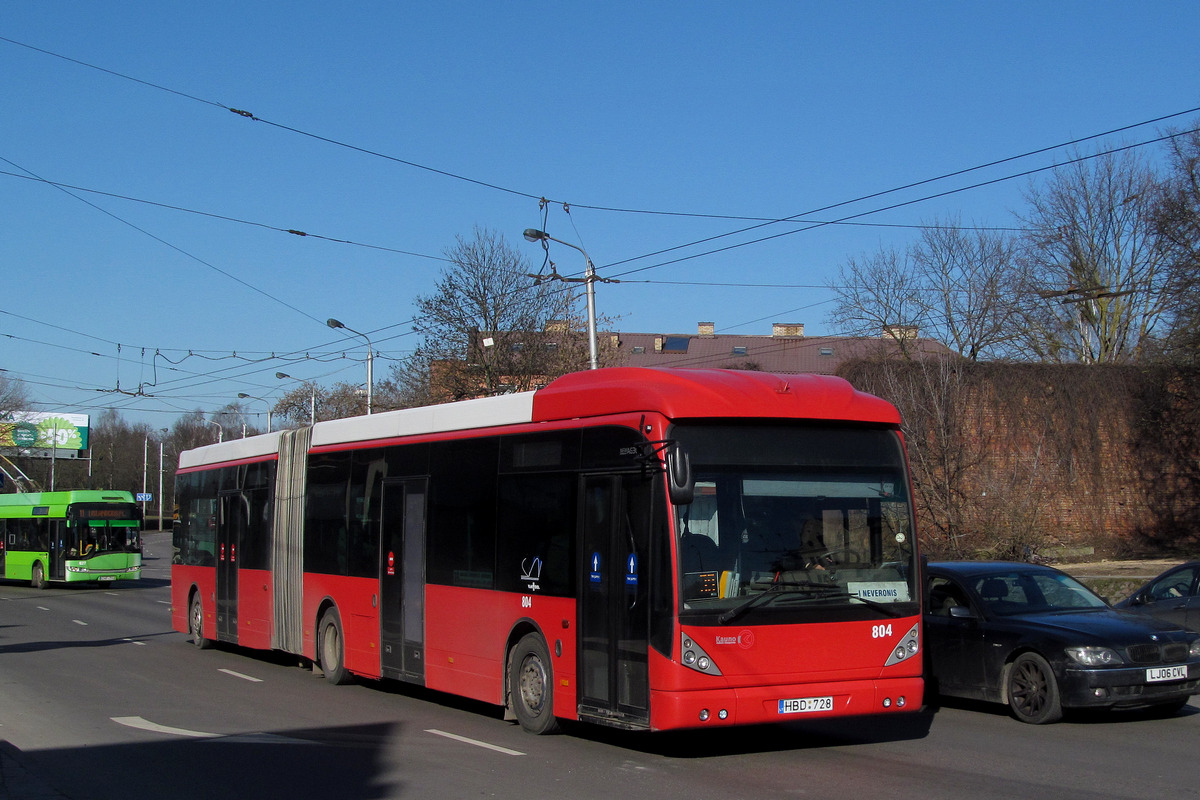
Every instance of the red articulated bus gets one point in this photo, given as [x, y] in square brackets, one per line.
[641, 548]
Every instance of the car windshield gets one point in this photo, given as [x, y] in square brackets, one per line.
[1013, 593]
[837, 532]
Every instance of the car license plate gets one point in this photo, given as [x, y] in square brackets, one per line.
[805, 705]
[1155, 674]
[107, 578]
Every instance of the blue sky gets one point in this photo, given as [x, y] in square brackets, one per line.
[461, 115]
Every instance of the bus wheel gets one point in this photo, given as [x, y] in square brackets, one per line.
[531, 685]
[196, 624]
[38, 579]
[331, 649]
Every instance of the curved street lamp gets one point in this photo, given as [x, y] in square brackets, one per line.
[333, 323]
[245, 396]
[312, 400]
[589, 280]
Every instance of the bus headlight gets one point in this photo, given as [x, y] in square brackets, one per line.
[909, 646]
[694, 657]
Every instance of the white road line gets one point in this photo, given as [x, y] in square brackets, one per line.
[475, 742]
[249, 738]
[146, 725]
[134, 641]
[240, 675]
[79, 622]
[164, 602]
[42, 608]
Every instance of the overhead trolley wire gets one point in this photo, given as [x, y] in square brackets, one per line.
[594, 207]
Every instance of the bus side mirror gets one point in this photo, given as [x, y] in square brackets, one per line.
[681, 487]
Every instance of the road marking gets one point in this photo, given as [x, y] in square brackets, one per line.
[249, 738]
[475, 742]
[79, 622]
[146, 725]
[42, 608]
[164, 602]
[134, 641]
[240, 675]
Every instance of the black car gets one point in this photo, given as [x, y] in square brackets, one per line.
[1173, 596]
[1038, 640]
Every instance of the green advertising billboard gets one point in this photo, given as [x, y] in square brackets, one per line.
[33, 429]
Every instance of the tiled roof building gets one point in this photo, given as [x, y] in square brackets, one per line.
[786, 350]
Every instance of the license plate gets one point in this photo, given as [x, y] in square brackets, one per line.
[805, 705]
[1167, 674]
[107, 578]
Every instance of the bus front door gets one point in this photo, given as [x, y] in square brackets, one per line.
[614, 599]
[402, 580]
[231, 524]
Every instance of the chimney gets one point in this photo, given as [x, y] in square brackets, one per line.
[784, 329]
[707, 329]
[900, 333]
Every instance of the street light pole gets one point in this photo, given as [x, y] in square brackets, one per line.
[333, 323]
[220, 430]
[312, 399]
[589, 280]
[245, 396]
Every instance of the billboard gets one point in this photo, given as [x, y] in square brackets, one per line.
[30, 429]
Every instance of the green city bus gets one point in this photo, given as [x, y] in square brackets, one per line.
[70, 536]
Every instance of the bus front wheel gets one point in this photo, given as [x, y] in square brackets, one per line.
[38, 578]
[531, 685]
[196, 624]
[332, 649]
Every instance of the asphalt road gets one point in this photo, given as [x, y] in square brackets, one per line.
[99, 699]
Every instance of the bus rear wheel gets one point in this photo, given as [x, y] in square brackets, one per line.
[331, 649]
[196, 624]
[531, 685]
[38, 578]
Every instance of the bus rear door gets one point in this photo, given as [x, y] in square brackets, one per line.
[402, 580]
[231, 525]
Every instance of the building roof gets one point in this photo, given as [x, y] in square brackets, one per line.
[787, 350]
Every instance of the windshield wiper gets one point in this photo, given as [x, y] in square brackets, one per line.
[775, 590]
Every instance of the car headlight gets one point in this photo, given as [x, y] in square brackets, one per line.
[1194, 650]
[1095, 656]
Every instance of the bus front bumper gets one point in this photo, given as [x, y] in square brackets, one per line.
[754, 705]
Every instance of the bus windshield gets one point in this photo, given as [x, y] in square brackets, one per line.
[794, 521]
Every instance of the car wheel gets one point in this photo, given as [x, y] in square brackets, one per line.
[1032, 690]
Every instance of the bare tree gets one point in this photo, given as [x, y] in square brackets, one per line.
[1178, 222]
[1096, 274]
[953, 285]
[489, 327]
[879, 292]
[967, 277]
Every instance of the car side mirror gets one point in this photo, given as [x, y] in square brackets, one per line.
[961, 612]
